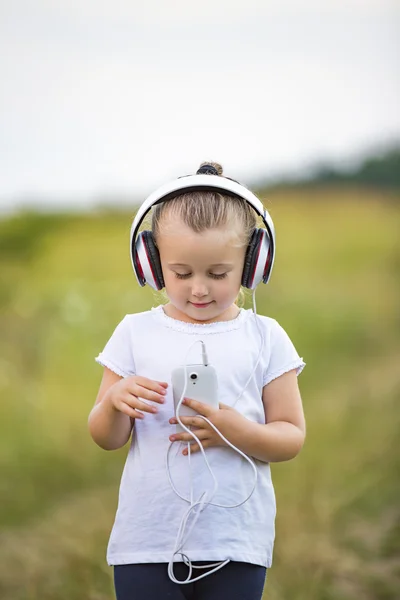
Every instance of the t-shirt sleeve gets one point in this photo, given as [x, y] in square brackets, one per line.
[117, 354]
[283, 355]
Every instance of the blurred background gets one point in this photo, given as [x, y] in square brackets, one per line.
[101, 103]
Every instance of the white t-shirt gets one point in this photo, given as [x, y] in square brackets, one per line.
[149, 512]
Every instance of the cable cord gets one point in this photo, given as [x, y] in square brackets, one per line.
[197, 507]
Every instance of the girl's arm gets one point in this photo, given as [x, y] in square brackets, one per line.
[280, 438]
[109, 428]
[119, 402]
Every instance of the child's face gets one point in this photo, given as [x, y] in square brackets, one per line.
[202, 271]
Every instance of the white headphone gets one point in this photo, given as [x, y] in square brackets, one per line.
[260, 253]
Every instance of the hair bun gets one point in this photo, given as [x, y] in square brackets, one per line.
[209, 168]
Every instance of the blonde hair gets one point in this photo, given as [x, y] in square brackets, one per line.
[207, 210]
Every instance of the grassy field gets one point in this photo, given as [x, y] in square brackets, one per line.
[65, 281]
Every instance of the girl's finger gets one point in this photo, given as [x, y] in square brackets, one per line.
[138, 414]
[186, 437]
[188, 421]
[145, 388]
[148, 383]
[131, 412]
[195, 447]
[199, 407]
[137, 403]
[142, 392]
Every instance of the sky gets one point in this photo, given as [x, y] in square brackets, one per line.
[116, 97]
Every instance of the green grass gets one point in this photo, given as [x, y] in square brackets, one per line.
[66, 281]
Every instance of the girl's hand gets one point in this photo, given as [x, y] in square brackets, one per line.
[226, 419]
[128, 395]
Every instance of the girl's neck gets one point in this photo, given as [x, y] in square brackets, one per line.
[228, 315]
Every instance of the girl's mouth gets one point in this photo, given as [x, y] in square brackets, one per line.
[203, 305]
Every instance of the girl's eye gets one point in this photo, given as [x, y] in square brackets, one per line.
[212, 275]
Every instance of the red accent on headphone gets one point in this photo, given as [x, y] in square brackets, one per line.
[267, 262]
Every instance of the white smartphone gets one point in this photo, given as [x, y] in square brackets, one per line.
[202, 385]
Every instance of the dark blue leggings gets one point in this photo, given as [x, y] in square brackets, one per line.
[150, 581]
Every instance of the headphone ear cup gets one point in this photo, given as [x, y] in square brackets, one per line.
[147, 261]
[257, 260]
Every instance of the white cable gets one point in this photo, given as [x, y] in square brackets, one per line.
[203, 501]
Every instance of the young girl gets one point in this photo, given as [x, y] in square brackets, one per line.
[203, 246]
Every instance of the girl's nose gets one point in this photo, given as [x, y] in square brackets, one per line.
[199, 289]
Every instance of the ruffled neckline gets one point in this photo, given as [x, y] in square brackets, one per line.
[199, 328]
